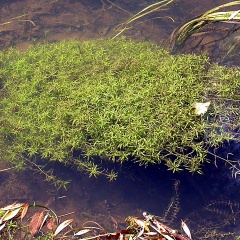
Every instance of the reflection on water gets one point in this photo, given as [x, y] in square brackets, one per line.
[137, 189]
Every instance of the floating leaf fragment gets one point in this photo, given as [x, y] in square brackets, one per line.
[44, 220]
[186, 230]
[83, 231]
[62, 226]
[201, 108]
[10, 215]
[151, 233]
[12, 206]
[24, 211]
[234, 14]
[167, 236]
[2, 226]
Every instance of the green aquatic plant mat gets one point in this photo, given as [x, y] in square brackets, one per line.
[114, 99]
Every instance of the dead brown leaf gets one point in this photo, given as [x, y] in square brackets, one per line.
[36, 222]
[24, 211]
[51, 223]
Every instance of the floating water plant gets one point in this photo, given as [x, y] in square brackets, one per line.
[113, 100]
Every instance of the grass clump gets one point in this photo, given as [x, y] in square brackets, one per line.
[115, 99]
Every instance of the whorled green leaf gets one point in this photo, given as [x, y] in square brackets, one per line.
[116, 100]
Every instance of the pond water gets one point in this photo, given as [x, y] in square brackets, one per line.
[208, 202]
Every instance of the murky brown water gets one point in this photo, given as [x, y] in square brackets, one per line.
[31, 21]
[27, 22]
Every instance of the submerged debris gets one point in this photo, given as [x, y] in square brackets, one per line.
[12, 223]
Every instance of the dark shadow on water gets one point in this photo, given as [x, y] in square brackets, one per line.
[149, 189]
